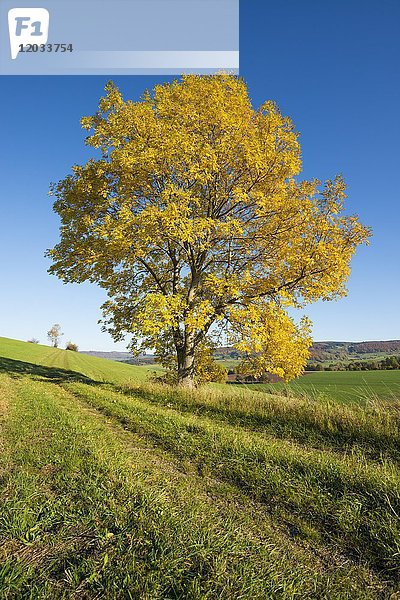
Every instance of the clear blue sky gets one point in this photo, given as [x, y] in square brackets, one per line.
[333, 67]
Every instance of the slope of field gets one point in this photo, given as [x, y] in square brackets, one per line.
[98, 369]
[132, 490]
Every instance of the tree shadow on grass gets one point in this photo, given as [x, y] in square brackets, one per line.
[19, 368]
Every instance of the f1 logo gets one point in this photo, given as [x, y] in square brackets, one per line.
[27, 25]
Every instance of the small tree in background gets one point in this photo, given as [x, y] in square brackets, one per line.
[71, 346]
[54, 335]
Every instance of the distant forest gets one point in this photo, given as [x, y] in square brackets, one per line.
[342, 356]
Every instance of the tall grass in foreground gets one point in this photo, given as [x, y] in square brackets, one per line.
[372, 428]
[93, 511]
[115, 490]
[343, 499]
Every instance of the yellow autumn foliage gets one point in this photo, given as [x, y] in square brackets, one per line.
[193, 218]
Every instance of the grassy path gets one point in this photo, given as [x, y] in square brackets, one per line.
[373, 430]
[339, 499]
[96, 508]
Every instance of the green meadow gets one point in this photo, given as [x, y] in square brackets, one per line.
[345, 386]
[115, 487]
[26, 356]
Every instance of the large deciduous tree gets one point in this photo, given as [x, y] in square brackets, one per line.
[193, 220]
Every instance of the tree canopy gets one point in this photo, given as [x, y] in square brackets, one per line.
[194, 221]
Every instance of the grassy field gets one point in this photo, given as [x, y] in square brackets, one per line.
[98, 369]
[346, 386]
[113, 487]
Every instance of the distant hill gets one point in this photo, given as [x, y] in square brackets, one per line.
[119, 356]
[320, 352]
[387, 346]
[126, 357]
[333, 351]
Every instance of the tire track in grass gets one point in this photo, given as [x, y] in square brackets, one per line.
[220, 493]
[347, 501]
[333, 427]
[151, 531]
[4, 406]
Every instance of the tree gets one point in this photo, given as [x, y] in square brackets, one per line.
[206, 368]
[54, 335]
[194, 222]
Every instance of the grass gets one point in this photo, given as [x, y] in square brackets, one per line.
[92, 367]
[113, 487]
[345, 386]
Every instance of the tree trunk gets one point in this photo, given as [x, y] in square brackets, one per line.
[185, 368]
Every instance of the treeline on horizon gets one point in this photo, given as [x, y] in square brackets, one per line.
[385, 364]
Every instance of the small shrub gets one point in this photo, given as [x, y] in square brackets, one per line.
[71, 346]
